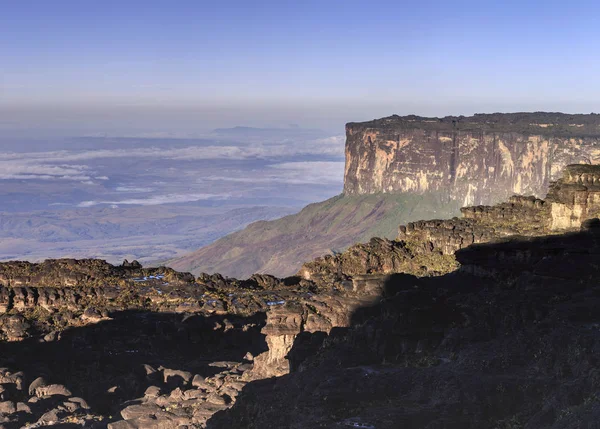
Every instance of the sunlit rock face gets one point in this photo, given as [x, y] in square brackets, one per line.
[575, 197]
[481, 159]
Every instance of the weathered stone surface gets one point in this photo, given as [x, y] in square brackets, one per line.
[145, 410]
[7, 407]
[352, 312]
[284, 324]
[36, 384]
[52, 389]
[402, 169]
[23, 407]
[575, 197]
[175, 377]
[152, 392]
[82, 403]
[80, 272]
[199, 382]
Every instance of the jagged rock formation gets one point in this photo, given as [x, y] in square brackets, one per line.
[149, 347]
[136, 369]
[575, 197]
[482, 159]
[82, 272]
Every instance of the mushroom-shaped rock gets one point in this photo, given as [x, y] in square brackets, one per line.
[52, 390]
[36, 384]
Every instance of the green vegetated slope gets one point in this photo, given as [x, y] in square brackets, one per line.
[281, 246]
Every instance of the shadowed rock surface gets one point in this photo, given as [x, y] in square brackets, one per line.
[516, 347]
[427, 248]
[146, 352]
[117, 361]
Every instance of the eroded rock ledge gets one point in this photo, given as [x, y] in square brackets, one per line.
[263, 315]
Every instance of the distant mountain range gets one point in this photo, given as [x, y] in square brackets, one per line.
[244, 133]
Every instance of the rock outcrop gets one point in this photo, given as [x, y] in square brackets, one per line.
[481, 159]
[150, 347]
[83, 272]
[575, 197]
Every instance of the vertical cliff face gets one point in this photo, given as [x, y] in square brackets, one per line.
[477, 160]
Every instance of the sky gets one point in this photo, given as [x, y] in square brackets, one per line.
[119, 67]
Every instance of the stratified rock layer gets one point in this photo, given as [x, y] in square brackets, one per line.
[575, 197]
[401, 169]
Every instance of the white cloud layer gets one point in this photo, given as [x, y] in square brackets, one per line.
[301, 172]
[25, 169]
[156, 200]
[132, 189]
[71, 165]
[314, 172]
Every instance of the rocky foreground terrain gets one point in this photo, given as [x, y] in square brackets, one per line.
[485, 321]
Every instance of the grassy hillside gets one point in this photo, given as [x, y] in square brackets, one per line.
[281, 246]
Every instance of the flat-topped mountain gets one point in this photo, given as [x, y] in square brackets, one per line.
[400, 169]
[481, 159]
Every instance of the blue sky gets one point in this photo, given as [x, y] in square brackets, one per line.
[195, 64]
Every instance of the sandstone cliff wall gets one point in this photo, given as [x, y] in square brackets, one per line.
[477, 160]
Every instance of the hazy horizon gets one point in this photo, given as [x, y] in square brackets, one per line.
[71, 68]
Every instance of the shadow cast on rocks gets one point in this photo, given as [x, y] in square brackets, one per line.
[510, 340]
[116, 360]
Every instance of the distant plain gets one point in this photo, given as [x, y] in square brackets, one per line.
[155, 197]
